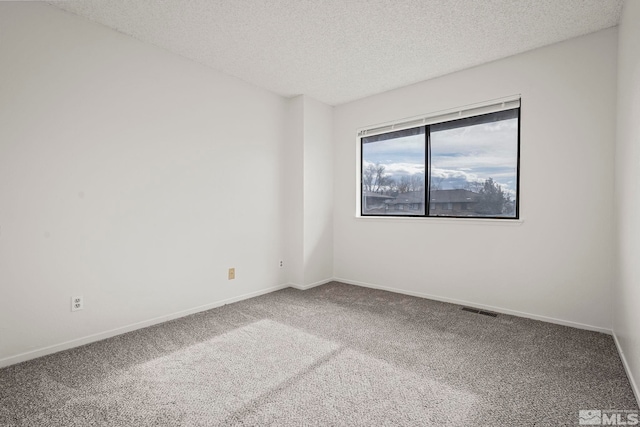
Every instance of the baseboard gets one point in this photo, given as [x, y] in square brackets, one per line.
[627, 368]
[479, 306]
[312, 285]
[33, 354]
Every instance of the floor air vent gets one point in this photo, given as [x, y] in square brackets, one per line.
[476, 311]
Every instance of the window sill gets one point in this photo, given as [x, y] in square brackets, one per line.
[443, 220]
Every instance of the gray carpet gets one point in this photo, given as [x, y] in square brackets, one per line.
[333, 355]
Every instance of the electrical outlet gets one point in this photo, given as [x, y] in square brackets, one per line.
[77, 303]
[232, 273]
[281, 263]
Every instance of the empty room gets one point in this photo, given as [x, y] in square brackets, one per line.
[319, 213]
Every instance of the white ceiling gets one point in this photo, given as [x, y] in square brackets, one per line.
[340, 50]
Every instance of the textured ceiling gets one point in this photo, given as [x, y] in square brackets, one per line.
[340, 50]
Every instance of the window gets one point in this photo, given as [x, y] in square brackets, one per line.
[454, 165]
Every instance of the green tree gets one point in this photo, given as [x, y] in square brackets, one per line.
[492, 200]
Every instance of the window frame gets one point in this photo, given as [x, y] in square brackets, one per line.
[475, 110]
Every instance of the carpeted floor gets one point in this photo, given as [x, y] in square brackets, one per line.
[332, 355]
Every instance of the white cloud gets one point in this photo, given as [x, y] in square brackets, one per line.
[453, 174]
[405, 169]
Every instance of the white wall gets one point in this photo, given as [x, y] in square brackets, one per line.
[294, 190]
[130, 176]
[626, 304]
[318, 192]
[309, 192]
[557, 263]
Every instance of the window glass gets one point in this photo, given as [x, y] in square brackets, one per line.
[393, 173]
[459, 168]
[475, 161]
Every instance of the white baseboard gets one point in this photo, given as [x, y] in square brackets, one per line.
[312, 285]
[479, 306]
[33, 354]
[627, 368]
[11, 360]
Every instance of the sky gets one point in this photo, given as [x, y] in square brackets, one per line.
[458, 156]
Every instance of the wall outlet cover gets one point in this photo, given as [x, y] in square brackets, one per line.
[77, 303]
